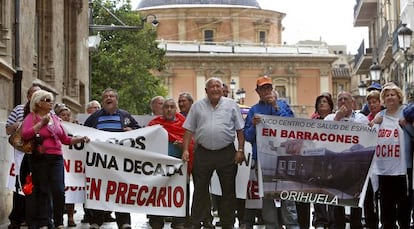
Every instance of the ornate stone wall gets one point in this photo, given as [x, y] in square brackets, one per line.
[47, 46]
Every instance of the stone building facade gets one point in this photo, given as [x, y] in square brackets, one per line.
[42, 42]
[237, 41]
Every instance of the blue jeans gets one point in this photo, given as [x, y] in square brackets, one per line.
[49, 184]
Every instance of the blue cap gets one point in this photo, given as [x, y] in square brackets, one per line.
[374, 86]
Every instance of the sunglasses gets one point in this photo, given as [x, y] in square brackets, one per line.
[47, 100]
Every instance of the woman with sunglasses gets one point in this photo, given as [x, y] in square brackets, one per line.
[46, 161]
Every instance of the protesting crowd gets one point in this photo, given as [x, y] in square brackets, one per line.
[210, 135]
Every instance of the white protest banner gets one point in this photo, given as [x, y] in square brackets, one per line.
[315, 161]
[152, 138]
[124, 179]
[255, 187]
[74, 195]
[11, 178]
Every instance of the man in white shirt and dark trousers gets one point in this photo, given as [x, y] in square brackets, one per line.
[214, 121]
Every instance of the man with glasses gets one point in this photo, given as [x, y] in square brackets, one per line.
[273, 216]
[92, 106]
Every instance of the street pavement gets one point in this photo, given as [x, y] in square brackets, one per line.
[139, 221]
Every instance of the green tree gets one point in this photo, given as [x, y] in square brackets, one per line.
[125, 58]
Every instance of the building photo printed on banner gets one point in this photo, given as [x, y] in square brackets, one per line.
[316, 161]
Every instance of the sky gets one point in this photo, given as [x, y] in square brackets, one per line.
[327, 20]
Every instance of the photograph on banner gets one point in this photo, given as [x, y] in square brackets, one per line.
[153, 139]
[134, 181]
[316, 161]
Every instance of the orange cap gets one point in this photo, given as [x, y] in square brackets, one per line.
[262, 80]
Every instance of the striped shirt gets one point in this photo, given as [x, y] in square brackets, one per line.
[110, 123]
[17, 115]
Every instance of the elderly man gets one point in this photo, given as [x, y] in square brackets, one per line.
[214, 121]
[156, 105]
[268, 105]
[111, 118]
[185, 101]
[345, 112]
[172, 121]
[92, 106]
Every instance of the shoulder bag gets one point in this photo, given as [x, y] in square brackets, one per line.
[18, 143]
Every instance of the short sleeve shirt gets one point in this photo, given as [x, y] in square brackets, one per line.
[355, 117]
[214, 127]
[16, 115]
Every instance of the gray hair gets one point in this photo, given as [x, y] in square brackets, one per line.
[110, 89]
[93, 102]
[154, 99]
[187, 95]
[209, 80]
[167, 100]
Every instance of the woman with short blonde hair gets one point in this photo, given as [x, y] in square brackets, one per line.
[391, 160]
[47, 161]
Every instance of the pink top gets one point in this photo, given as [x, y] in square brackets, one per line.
[53, 135]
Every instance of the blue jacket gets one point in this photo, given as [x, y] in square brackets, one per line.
[266, 109]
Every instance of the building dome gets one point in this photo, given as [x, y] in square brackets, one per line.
[154, 3]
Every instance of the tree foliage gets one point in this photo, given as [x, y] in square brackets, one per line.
[125, 58]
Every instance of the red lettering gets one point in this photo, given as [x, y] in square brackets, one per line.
[269, 132]
[397, 151]
[299, 135]
[94, 188]
[110, 189]
[12, 169]
[388, 133]
[121, 193]
[161, 197]
[309, 136]
[132, 193]
[387, 151]
[66, 163]
[355, 139]
[140, 194]
[79, 167]
[151, 198]
[179, 197]
[283, 133]
[323, 137]
[253, 190]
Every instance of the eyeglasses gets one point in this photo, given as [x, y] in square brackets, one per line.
[47, 100]
[265, 88]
